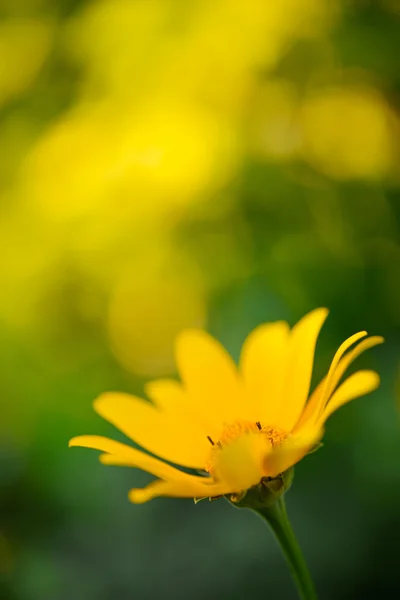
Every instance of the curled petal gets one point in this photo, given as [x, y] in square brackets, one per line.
[121, 454]
[319, 396]
[358, 384]
[177, 490]
[349, 358]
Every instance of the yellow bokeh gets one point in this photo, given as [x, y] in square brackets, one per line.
[349, 133]
[153, 132]
[207, 49]
[28, 267]
[274, 130]
[151, 303]
[98, 159]
[24, 45]
[158, 135]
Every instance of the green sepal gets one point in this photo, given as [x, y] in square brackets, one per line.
[209, 498]
[265, 493]
[315, 448]
[262, 495]
[197, 500]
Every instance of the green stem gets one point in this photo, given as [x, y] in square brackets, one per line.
[277, 519]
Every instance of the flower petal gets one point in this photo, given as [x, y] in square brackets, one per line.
[240, 463]
[170, 397]
[358, 384]
[169, 436]
[337, 358]
[320, 395]
[210, 378]
[170, 473]
[291, 451]
[263, 367]
[121, 454]
[303, 339]
[98, 442]
[167, 394]
[350, 358]
[177, 490]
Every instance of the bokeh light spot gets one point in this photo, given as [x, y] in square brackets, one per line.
[347, 133]
[149, 307]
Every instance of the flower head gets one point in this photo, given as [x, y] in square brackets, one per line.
[236, 425]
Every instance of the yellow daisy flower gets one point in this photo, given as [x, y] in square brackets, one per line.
[237, 425]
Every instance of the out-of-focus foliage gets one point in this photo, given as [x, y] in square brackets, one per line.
[172, 163]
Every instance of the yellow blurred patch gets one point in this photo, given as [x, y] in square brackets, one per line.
[106, 157]
[157, 120]
[274, 132]
[24, 45]
[348, 133]
[151, 304]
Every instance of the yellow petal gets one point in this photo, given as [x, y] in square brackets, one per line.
[240, 463]
[168, 474]
[167, 394]
[321, 393]
[210, 378]
[122, 454]
[290, 452]
[176, 490]
[303, 339]
[170, 397]
[263, 367]
[171, 437]
[350, 358]
[358, 384]
[337, 358]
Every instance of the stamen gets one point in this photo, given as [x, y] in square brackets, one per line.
[210, 440]
[258, 424]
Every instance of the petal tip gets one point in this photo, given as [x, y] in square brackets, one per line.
[73, 442]
[375, 380]
[321, 310]
[103, 458]
[314, 318]
[188, 332]
[192, 335]
[105, 400]
[137, 496]
[98, 402]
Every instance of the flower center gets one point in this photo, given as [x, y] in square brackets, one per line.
[236, 458]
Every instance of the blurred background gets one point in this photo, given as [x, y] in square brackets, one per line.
[170, 163]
